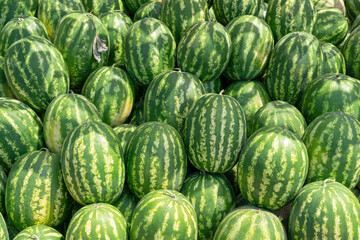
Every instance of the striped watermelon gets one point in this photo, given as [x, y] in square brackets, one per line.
[4, 234]
[50, 12]
[112, 91]
[252, 43]
[117, 23]
[272, 167]
[330, 3]
[329, 93]
[179, 91]
[150, 9]
[164, 214]
[126, 204]
[263, 10]
[83, 41]
[18, 28]
[332, 141]
[225, 11]
[180, 15]
[251, 95]
[92, 163]
[97, 7]
[149, 50]
[15, 8]
[212, 197]
[353, 9]
[134, 5]
[279, 113]
[297, 59]
[35, 191]
[65, 113]
[155, 158]
[352, 54]
[137, 114]
[355, 24]
[250, 224]
[334, 61]
[5, 91]
[331, 25]
[123, 133]
[208, 45]
[39, 232]
[3, 180]
[97, 221]
[214, 132]
[213, 86]
[286, 16]
[325, 210]
[21, 131]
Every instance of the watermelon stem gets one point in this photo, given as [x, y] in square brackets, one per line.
[327, 180]
[44, 149]
[170, 194]
[222, 91]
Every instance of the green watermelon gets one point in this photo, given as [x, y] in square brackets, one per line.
[5, 91]
[325, 210]
[180, 15]
[149, 50]
[137, 114]
[112, 91]
[150, 9]
[263, 10]
[212, 196]
[204, 50]
[97, 7]
[18, 28]
[92, 163]
[126, 204]
[179, 90]
[134, 5]
[252, 43]
[225, 11]
[155, 159]
[83, 41]
[39, 232]
[50, 12]
[15, 8]
[297, 59]
[353, 9]
[352, 54]
[332, 141]
[4, 234]
[38, 76]
[279, 113]
[286, 16]
[164, 214]
[329, 93]
[213, 86]
[334, 61]
[97, 221]
[65, 113]
[355, 24]
[330, 3]
[35, 191]
[214, 132]
[250, 223]
[272, 167]
[117, 23]
[123, 133]
[3, 180]
[21, 131]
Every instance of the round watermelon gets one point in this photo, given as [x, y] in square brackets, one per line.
[98, 7]
[351, 53]
[39, 232]
[334, 61]
[15, 8]
[150, 9]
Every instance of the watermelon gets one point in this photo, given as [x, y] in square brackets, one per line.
[5, 91]
[286, 16]
[213, 86]
[134, 5]
[214, 132]
[4, 234]
[352, 54]
[97, 221]
[332, 141]
[155, 159]
[325, 210]
[179, 91]
[39, 232]
[3, 179]
[97, 7]
[251, 95]
[35, 191]
[353, 9]
[279, 113]
[149, 50]
[124, 132]
[137, 114]
[263, 10]
[112, 91]
[249, 223]
[225, 11]
[83, 41]
[331, 25]
[50, 12]
[355, 24]
[164, 214]
[18, 28]
[212, 196]
[180, 15]
[252, 43]
[150, 9]
[15, 8]
[65, 113]
[126, 204]
[92, 163]
[330, 3]
[297, 59]
[21, 131]
[117, 24]
[329, 93]
[208, 45]
[334, 61]
[274, 161]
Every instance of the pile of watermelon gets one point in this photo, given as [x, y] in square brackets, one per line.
[179, 119]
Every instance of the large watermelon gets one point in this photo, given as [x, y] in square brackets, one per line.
[330, 3]
[39, 232]
[164, 214]
[5, 91]
[334, 61]
[352, 54]
[92, 163]
[98, 7]
[126, 204]
[124, 132]
[150, 9]
[155, 158]
[16, 8]
[352, 9]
